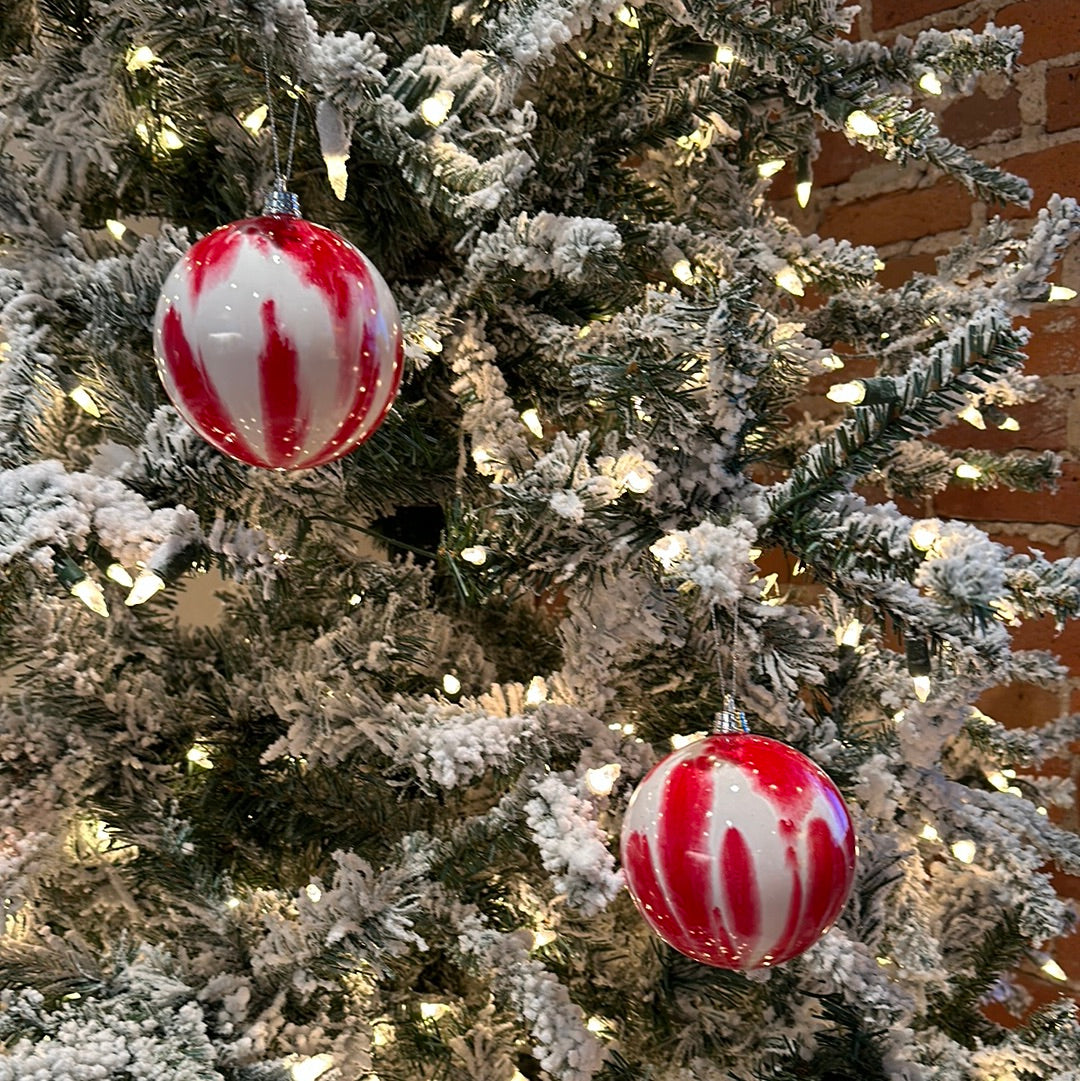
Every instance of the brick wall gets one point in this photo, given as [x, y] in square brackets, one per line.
[1030, 125]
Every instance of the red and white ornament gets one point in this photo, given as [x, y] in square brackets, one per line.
[738, 851]
[278, 342]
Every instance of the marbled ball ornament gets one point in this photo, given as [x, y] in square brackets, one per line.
[738, 851]
[278, 342]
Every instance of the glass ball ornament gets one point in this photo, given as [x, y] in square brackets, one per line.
[738, 851]
[278, 342]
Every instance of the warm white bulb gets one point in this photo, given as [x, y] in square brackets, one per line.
[862, 123]
[1009, 424]
[141, 58]
[117, 228]
[964, 850]
[309, 1069]
[928, 833]
[596, 1025]
[922, 687]
[973, 417]
[667, 551]
[849, 634]
[382, 1033]
[770, 167]
[1053, 970]
[356, 599]
[683, 271]
[601, 781]
[543, 936]
[787, 277]
[531, 419]
[930, 83]
[476, 555]
[255, 119]
[628, 17]
[968, 471]
[846, 393]
[638, 481]
[81, 397]
[142, 131]
[430, 344]
[1061, 292]
[998, 780]
[832, 363]
[89, 592]
[432, 1011]
[337, 173]
[232, 902]
[536, 692]
[450, 683]
[923, 535]
[437, 108]
[802, 192]
[168, 137]
[146, 585]
[118, 573]
[199, 755]
[725, 54]
[314, 894]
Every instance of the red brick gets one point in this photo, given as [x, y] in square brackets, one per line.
[1063, 98]
[980, 118]
[1056, 169]
[889, 13]
[1043, 426]
[1018, 542]
[1054, 348]
[1020, 705]
[901, 215]
[900, 268]
[1050, 27]
[1003, 505]
[1041, 634]
[839, 159]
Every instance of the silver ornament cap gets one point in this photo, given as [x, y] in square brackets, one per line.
[281, 201]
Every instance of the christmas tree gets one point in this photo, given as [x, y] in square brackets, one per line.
[360, 817]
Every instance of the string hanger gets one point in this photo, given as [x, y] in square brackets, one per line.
[729, 718]
[279, 200]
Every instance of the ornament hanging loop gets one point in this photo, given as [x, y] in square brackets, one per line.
[279, 200]
[729, 718]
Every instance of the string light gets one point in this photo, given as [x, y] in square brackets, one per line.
[846, 393]
[638, 481]
[89, 592]
[476, 555]
[601, 781]
[337, 173]
[998, 780]
[1061, 292]
[118, 573]
[314, 894]
[450, 683]
[309, 1069]
[1009, 424]
[536, 692]
[254, 120]
[139, 59]
[596, 1025]
[81, 397]
[1053, 970]
[849, 634]
[924, 535]
[232, 902]
[168, 137]
[973, 417]
[964, 850]
[356, 599]
[725, 54]
[770, 168]
[628, 17]
[683, 271]
[862, 123]
[543, 936]
[430, 344]
[930, 83]
[199, 755]
[437, 108]
[922, 687]
[928, 833]
[116, 228]
[787, 277]
[968, 471]
[145, 586]
[382, 1033]
[832, 363]
[432, 1011]
[531, 419]
[802, 192]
